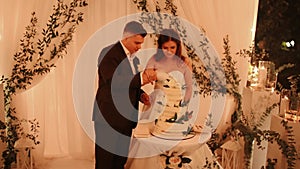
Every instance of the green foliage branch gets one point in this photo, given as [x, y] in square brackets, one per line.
[36, 57]
[247, 128]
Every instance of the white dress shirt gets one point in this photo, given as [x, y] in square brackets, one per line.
[130, 57]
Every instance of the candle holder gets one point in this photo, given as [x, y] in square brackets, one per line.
[267, 76]
[291, 105]
[252, 80]
[271, 80]
[284, 102]
[294, 107]
[262, 76]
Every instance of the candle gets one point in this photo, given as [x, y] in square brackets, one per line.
[284, 105]
[254, 76]
[262, 76]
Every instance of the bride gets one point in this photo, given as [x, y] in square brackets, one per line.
[170, 65]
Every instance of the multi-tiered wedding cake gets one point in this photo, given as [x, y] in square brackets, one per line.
[173, 121]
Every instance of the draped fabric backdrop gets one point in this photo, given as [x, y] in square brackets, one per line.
[50, 99]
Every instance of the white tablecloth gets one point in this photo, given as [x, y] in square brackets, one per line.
[255, 103]
[151, 152]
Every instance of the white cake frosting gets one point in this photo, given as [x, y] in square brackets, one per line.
[172, 120]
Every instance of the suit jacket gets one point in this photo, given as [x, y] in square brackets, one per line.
[118, 91]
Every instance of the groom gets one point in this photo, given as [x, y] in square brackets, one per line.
[118, 95]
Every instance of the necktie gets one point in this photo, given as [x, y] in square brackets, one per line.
[136, 62]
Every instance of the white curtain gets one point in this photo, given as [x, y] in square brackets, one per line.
[50, 100]
[234, 18]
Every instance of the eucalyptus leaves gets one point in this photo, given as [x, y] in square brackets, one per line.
[36, 56]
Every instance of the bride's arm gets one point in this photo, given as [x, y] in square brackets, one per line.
[189, 87]
[188, 77]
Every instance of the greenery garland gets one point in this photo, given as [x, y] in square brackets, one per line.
[36, 57]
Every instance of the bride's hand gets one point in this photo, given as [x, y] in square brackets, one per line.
[183, 103]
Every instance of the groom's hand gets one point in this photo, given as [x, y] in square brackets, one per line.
[149, 76]
[145, 99]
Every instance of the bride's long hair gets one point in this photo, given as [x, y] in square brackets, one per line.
[167, 35]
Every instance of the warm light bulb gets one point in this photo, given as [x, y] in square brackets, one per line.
[292, 43]
[255, 69]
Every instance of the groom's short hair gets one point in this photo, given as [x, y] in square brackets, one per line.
[135, 28]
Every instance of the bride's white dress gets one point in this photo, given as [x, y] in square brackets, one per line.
[165, 108]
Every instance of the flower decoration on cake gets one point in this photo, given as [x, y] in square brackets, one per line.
[174, 161]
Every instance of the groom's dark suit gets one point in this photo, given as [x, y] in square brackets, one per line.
[117, 99]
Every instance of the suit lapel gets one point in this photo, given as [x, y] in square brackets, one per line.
[123, 61]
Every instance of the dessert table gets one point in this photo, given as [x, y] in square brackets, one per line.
[151, 152]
